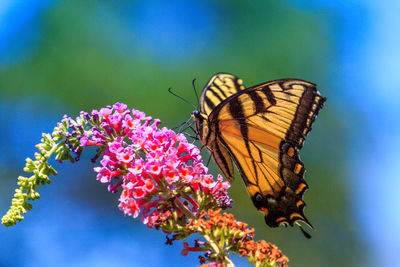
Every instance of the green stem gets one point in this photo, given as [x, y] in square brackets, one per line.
[218, 250]
[53, 149]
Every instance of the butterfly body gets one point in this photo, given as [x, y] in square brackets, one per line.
[261, 129]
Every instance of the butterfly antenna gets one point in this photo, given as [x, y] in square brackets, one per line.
[195, 91]
[170, 91]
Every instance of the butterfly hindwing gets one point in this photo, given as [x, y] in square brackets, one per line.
[222, 158]
[261, 129]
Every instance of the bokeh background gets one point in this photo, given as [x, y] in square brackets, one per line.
[59, 57]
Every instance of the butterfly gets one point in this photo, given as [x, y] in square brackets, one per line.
[261, 130]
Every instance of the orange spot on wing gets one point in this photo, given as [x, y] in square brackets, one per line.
[265, 210]
[290, 151]
[295, 214]
[280, 219]
[299, 203]
[297, 168]
[300, 188]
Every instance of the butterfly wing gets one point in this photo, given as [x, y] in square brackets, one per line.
[262, 128]
[220, 87]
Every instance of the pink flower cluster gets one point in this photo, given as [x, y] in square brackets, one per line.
[158, 170]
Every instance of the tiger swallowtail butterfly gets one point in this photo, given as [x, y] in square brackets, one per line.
[261, 130]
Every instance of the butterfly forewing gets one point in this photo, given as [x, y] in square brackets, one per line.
[220, 87]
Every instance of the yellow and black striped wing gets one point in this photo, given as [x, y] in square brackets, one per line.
[262, 128]
[220, 87]
[217, 90]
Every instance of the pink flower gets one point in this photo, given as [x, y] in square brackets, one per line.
[208, 181]
[172, 161]
[130, 207]
[154, 167]
[128, 124]
[185, 172]
[149, 164]
[137, 140]
[120, 107]
[105, 112]
[84, 141]
[116, 146]
[138, 192]
[148, 185]
[125, 155]
[171, 175]
[137, 167]
[138, 115]
[115, 121]
[103, 174]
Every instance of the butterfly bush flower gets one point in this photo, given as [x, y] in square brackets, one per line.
[158, 171]
[159, 175]
[224, 231]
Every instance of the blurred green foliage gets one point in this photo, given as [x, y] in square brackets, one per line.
[88, 59]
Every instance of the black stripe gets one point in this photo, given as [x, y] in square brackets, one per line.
[266, 178]
[266, 174]
[286, 100]
[222, 159]
[270, 96]
[219, 88]
[303, 112]
[258, 102]
[209, 103]
[259, 151]
[237, 85]
[238, 165]
[232, 155]
[216, 95]
[236, 109]
[265, 168]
